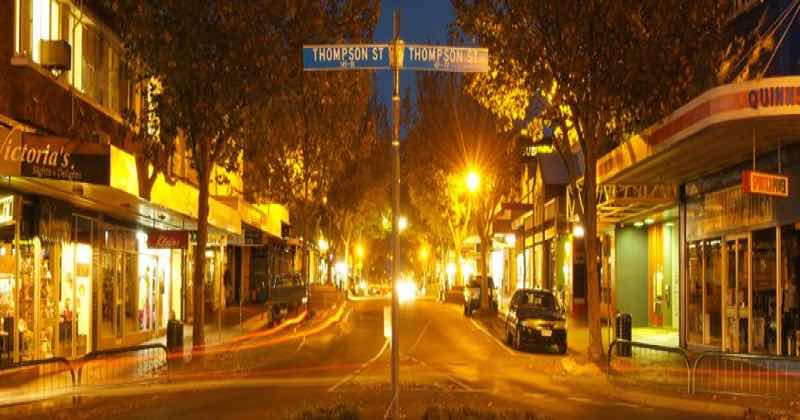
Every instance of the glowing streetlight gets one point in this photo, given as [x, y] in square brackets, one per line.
[424, 253]
[473, 181]
[402, 223]
[323, 245]
[360, 251]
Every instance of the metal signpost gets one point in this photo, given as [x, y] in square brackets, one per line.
[395, 56]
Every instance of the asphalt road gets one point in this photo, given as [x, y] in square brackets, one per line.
[445, 359]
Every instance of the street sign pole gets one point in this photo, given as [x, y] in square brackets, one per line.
[396, 65]
[395, 56]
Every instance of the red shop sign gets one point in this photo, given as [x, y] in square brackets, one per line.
[168, 239]
[763, 183]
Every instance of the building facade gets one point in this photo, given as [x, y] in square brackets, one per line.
[86, 262]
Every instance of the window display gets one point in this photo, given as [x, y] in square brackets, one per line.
[765, 323]
[790, 290]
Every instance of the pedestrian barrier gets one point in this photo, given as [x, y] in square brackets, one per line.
[746, 374]
[123, 365]
[39, 377]
[649, 363]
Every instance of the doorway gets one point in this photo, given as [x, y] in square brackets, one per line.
[737, 294]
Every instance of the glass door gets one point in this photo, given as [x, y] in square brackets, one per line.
[737, 294]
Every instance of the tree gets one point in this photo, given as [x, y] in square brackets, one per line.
[213, 62]
[312, 129]
[454, 135]
[595, 71]
[359, 192]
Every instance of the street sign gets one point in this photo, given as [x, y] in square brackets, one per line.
[444, 58]
[346, 57]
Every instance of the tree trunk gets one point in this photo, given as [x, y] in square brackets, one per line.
[203, 173]
[595, 350]
[485, 243]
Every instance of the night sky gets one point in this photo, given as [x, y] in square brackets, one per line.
[421, 22]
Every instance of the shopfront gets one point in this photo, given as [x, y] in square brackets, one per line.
[743, 265]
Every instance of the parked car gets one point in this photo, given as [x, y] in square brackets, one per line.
[536, 317]
[288, 293]
[472, 295]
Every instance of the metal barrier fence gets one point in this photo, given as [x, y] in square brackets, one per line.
[746, 374]
[649, 363]
[124, 364]
[38, 377]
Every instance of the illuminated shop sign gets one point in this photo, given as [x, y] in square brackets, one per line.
[762, 183]
[50, 157]
[773, 96]
[168, 239]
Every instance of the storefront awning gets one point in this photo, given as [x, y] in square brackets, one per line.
[713, 131]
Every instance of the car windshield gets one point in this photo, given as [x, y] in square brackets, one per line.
[541, 300]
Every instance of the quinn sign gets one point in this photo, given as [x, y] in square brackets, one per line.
[763, 183]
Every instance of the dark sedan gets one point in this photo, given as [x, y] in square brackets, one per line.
[535, 317]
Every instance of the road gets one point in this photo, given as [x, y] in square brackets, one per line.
[446, 359]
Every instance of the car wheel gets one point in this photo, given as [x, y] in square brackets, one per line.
[562, 347]
[509, 338]
[517, 340]
[466, 310]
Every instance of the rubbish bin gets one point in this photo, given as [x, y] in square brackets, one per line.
[175, 336]
[623, 329]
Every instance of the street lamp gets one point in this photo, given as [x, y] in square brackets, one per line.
[323, 245]
[402, 223]
[424, 253]
[360, 251]
[473, 181]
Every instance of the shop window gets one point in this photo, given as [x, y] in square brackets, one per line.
[704, 294]
[131, 287]
[765, 325]
[790, 290]
[712, 278]
[694, 313]
[7, 293]
[27, 295]
[111, 310]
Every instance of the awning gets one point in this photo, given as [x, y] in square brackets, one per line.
[713, 131]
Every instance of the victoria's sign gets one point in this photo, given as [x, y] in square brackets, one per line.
[762, 183]
[38, 156]
[168, 239]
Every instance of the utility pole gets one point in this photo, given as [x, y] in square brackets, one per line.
[396, 65]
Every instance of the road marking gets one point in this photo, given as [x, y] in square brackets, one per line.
[581, 400]
[419, 338]
[347, 316]
[302, 343]
[629, 405]
[495, 339]
[358, 371]
[534, 395]
[450, 377]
